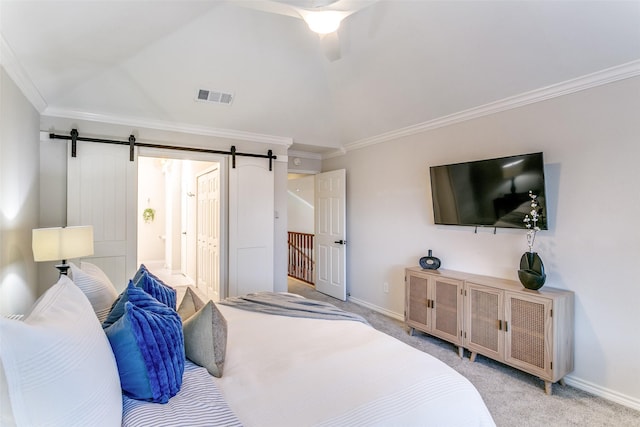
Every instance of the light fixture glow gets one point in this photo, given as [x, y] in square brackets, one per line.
[323, 22]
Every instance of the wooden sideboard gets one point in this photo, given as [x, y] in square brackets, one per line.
[497, 318]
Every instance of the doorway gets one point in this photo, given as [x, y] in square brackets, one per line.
[320, 208]
[169, 221]
[300, 227]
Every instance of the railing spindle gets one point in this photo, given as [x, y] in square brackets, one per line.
[301, 262]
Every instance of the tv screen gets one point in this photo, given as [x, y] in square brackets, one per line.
[489, 193]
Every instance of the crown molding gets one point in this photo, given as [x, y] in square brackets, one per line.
[304, 154]
[608, 75]
[340, 151]
[169, 126]
[19, 76]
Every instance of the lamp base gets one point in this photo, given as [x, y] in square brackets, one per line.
[64, 267]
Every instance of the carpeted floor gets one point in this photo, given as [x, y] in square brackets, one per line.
[513, 397]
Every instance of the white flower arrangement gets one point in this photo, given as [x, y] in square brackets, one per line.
[531, 221]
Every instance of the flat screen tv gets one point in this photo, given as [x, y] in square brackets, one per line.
[489, 193]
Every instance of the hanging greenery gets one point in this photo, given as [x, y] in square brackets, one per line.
[148, 215]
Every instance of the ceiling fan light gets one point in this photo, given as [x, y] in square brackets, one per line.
[323, 22]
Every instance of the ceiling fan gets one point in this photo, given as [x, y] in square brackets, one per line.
[322, 16]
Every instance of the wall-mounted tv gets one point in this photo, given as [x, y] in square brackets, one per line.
[489, 193]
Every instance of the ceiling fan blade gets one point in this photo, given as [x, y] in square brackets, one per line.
[351, 5]
[339, 5]
[330, 44]
[276, 7]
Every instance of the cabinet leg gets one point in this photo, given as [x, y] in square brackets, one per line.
[411, 331]
[562, 383]
[472, 358]
[461, 352]
[547, 387]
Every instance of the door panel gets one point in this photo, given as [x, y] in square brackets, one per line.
[102, 192]
[208, 234]
[251, 226]
[448, 309]
[528, 330]
[330, 233]
[418, 308]
[483, 332]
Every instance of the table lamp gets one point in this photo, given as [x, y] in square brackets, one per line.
[62, 243]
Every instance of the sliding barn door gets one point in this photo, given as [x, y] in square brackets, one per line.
[102, 191]
[251, 226]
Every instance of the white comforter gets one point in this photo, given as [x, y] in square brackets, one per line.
[283, 371]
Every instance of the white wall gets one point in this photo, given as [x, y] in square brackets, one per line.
[590, 141]
[19, 198]
[300, 200]
[53, 200]
[151, 194]
[281, 248]
[173, 208]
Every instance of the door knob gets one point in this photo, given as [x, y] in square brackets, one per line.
[341, 242]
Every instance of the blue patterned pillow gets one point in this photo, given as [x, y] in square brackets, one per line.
[156, 288]
[148, 345]
[117, 309]
[145, 280]
[143, 269]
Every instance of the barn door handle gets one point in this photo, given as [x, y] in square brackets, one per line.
[341, 242]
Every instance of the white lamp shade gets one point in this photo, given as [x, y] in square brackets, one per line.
[62, 243]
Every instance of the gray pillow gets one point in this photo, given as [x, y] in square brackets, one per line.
[205, 338]
[190, 304]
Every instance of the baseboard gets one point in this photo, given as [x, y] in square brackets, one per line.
[605, 393]
[578, 383]
[373, 307]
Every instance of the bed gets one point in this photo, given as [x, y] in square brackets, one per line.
[337, 373]
[279, 370]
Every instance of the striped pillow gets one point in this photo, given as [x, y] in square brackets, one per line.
[96, 286]
[58, 364]
[199, 403]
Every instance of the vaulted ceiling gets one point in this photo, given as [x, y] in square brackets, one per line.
[401, 62]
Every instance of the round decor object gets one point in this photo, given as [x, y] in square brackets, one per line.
[429, 262]
[531, 272]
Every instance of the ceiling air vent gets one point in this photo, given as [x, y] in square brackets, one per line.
[206, 95]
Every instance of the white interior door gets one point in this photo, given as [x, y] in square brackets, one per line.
[184, 225]
[102, 191]
[208, 231]
[330, 233]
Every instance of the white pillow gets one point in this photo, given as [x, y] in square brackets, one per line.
[58, 364]
[6, 413]
[96, 286]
